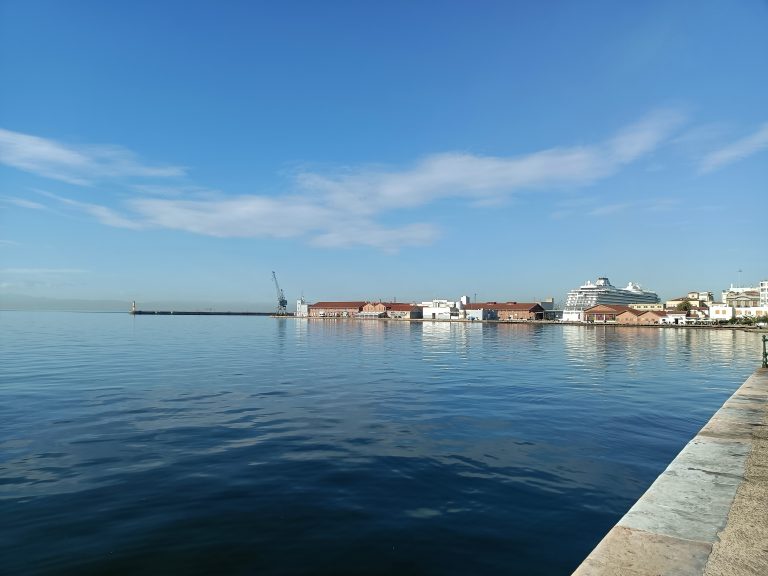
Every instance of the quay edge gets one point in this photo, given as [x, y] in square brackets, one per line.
[194, 313]
[592, 325]
[707, 513]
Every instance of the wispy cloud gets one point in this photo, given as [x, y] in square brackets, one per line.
[102, 214]
[472, 177]
[595, 207]
[365, 233]
[665, 205]
[284, 217]
[81, 165]
[22, 203]
[242, 216]
[644, 136]
[172, 191]
[341, 207]
[609, 209]
[736, 151]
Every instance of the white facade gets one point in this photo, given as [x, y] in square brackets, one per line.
[645, 306]
[573, 315]
[302, 308]
[698, 313]
[751, 311]
[725, 312]
[481, 314]
[764, 293]
[703, 295]
[734, 290]
[720, 312]
[439, 310]
[673, 318]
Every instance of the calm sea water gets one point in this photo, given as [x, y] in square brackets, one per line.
[215, 445]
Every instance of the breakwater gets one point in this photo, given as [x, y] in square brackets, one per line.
[195, 313]
[707, 513]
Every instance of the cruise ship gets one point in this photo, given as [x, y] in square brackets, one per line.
[603, 292]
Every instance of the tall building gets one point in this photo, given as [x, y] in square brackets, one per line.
[742, 296]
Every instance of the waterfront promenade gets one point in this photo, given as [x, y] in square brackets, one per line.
[707, 513]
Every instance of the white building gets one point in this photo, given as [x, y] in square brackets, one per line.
[740, 293]
[672, 317]
[751, 311]
[439, 310]
[302, 308]
[718, 312]
[480, 312]
[764, 293]
[702, 295]
[725, 312]
[445, 309]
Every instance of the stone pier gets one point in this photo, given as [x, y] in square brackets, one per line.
[707, 513]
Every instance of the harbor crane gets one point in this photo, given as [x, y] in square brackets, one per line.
[281, 301]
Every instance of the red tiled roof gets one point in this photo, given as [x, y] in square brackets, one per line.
[657, 312]
[399, 307]
[516, 306]
[337, 305]
[632, 311]
[618, 308]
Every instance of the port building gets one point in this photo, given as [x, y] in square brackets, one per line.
[336, 309]
[359, 309]
[481, 311]
[695, 299]
[609, 313]
[629, 316]
[442, 309]
[396, 310]
[645, 306]
[518, 310]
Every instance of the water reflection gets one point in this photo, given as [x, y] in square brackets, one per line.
[516, 438]
[601, 345]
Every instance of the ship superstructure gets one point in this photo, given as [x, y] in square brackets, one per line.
[603, 292]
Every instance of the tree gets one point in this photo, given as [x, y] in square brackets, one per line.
[684, 306]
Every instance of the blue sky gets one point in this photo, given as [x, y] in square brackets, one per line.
[184, 150]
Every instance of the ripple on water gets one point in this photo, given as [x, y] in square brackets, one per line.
[249, 445]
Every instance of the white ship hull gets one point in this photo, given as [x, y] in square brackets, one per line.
[603, 292]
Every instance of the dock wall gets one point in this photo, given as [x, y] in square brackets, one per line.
[707, 513]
